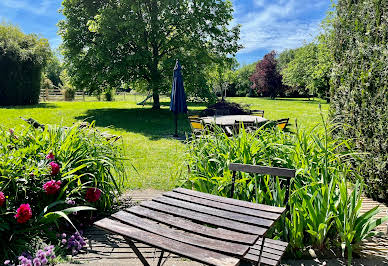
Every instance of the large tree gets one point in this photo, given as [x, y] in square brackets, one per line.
[107, 42]
[266, 79]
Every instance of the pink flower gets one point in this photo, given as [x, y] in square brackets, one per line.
[50, 156]
[2, 198]
[11, 131]
[51, 187]
[54, 168]
[93, 194]
[23, 214]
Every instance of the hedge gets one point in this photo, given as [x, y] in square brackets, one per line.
[22, 58]
[360, 81]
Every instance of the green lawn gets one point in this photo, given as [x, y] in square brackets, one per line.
[147, 139]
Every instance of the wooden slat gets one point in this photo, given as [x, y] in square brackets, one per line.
[267, 253]
[278, 243]
[274, 171]
[182, 249]
[205, 218]
[235, 202]
[273, 251]
[223, 206]
[185, 237]
[187, 225]
[215, 212]
[264, 260]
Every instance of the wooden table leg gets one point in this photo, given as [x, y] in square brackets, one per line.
[137, 252]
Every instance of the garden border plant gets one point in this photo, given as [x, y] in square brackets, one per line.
[50, 174]
[322, 215]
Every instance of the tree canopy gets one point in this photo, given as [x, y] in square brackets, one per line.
[266, 79]
[110, 42]
[22, 57]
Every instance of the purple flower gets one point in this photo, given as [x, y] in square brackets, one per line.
[37, 262]
[70, 201]
[64, 241]
[6, 262]
[50, 156]
[63, 235]
[44, 261]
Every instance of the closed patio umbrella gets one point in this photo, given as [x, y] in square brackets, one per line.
[178, 96]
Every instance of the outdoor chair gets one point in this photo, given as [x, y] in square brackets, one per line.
[196, 125]
[257, 113]
[275, 246]
[248, 126]
[282, 123]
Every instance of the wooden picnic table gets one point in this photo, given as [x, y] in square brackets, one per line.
[202, 227]
[230, 120]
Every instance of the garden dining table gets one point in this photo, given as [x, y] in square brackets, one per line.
[205, 228]
[230, 120]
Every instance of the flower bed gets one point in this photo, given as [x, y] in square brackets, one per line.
[50, 181]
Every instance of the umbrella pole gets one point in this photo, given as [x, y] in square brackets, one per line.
[176, 125]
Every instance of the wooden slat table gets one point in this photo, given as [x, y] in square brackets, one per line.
[202, 227]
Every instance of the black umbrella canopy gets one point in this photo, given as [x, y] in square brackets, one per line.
[178, 96]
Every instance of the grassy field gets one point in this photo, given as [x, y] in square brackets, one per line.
[147, 134]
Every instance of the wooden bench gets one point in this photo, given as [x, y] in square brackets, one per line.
[202, 227]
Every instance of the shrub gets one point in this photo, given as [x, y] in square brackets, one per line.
[109, 94]
[317, 206]
[22, 58]
[68, 92]
[360, 81]
[46, 175]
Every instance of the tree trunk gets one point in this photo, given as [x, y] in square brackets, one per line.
[156, 104]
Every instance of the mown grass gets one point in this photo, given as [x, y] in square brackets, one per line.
[147, 134]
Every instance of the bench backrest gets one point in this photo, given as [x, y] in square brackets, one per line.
[263, 170]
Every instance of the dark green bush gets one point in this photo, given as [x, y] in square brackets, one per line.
[360, 82]
[22, 58]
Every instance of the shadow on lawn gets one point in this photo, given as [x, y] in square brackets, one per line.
[155, 124]
[40, 105]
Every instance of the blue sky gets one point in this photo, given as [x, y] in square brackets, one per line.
[266, 24]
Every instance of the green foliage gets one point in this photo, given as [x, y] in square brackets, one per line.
[241, 83]
[359, 85]
[307, 69]
[46, 84]
[316, 204]
[86, 160]
[66, 87]
[53, 69]
[148, 37]
[109, 94]
[22, 58]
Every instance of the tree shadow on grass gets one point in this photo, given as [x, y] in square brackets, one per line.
[155, 124]
[40, 105]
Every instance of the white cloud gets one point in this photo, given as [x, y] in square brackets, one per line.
[278, 24]
[38, 9]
